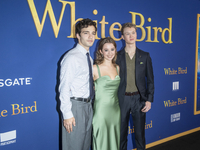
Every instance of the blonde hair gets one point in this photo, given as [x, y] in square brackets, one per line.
[127, 25]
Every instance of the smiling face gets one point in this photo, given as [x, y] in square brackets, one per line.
[129, 35]
[108, 51]
[86, 37]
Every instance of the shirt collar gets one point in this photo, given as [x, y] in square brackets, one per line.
[82, 49]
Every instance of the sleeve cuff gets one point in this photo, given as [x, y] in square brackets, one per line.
[68, 115]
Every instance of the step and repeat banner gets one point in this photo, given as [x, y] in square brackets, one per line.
[34, 35]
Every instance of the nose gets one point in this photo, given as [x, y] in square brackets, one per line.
[131, 35]
[91, 35]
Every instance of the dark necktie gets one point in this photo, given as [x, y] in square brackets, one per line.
[90, 77]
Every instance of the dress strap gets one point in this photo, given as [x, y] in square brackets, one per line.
[98, 70]
[117, 70]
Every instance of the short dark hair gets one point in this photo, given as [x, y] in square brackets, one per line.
[84, 24]
[129, 25]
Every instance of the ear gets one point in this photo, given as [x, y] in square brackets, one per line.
[122, 37]
[101, 51]
[78, 36]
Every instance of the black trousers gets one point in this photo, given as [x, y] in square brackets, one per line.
[134, 105]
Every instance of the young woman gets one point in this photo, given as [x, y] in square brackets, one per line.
[106, 119]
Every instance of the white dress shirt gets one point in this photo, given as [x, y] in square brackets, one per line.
[74, 78]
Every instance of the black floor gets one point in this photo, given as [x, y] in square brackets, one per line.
[187, 142]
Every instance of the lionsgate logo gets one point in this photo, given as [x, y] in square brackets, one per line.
[175, 86]
[15, 82]
[8, 138]
[175, 117]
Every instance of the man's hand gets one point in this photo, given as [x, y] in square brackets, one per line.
[147, 106]
[68, 124]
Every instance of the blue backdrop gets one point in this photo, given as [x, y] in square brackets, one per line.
[35, 34]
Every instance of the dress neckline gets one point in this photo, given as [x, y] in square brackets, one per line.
[106, 75]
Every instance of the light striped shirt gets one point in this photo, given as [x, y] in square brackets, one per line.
[74, 78]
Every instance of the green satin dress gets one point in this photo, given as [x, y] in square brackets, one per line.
[106, 119]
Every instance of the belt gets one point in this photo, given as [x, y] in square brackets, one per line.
[131, 93]
[87, 100]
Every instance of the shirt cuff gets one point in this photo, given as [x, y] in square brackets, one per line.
[68, 115]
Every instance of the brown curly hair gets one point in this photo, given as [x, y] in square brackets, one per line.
[84, 23]
[99, 57]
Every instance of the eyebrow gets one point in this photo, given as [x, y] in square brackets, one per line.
[85, 31]
[129, 32]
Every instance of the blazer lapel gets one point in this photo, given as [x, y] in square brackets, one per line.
[137, 60]
[123, 64]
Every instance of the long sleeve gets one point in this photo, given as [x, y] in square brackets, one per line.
[67, 75]
[150, 79]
